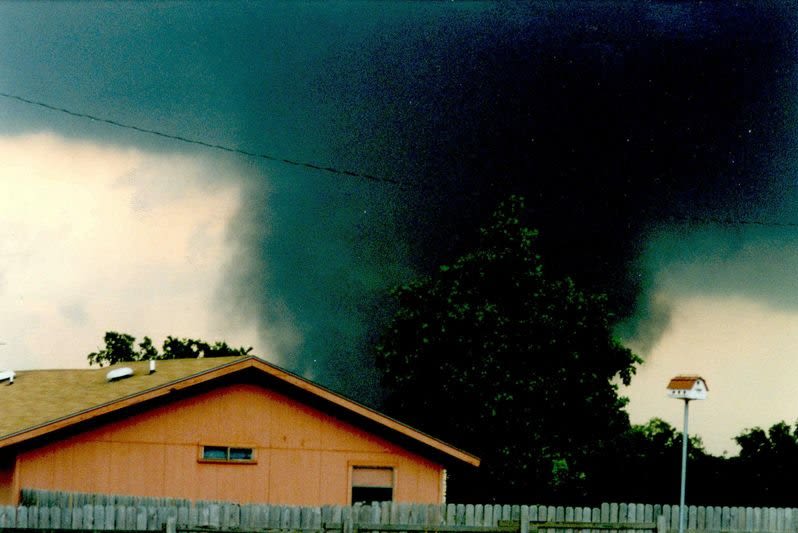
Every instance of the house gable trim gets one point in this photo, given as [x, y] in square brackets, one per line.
[227, 369]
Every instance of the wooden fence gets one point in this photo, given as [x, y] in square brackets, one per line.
[53, 511]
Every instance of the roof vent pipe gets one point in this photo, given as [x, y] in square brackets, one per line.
[152, 366]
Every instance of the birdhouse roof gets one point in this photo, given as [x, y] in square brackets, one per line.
[686, 382]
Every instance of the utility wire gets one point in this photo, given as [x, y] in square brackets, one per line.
[729, 221]
[198, 142]
[724, 221]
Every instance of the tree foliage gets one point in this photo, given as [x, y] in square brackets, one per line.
[768, 462]
[495, 356]
[121, 347]
[645, 466]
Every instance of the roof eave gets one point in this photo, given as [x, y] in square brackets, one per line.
[123, 402]
[205, 376]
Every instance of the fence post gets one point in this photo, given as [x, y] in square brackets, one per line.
[524, 525]
[662, 526]
[86, 514]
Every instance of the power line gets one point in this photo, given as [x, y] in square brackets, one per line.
[730, 221]
[724, 221]
[198, 142]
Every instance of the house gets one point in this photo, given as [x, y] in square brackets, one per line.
[227, 428]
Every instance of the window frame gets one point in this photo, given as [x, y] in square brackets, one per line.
[228, 449]
[353, 465]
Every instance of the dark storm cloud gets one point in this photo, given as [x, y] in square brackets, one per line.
[607, 119]
[322, 265]
[613, 119]
[610, 117]
[748, 260]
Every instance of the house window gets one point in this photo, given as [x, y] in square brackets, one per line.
[240, 454]
[227, 454]
[372, 484]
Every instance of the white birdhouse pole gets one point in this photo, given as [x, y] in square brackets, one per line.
[683, 485]
[686, 388]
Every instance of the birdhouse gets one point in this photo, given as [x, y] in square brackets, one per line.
[688, 388]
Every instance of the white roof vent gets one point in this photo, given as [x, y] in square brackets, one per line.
[119, 373]
[7, 375]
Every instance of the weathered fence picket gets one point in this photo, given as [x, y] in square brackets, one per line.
[89, 512]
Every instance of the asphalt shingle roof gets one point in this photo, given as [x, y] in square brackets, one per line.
[41, 401]
[38, 397]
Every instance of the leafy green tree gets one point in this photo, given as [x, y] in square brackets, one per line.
[120, 347]
[495, 356]
[645, 466]
[174, 348]
[768, 462]
[147, 350]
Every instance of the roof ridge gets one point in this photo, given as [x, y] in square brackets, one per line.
[38, 407]
[142, 362]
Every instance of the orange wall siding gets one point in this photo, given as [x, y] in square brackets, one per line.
[8, 487]
[303, 456]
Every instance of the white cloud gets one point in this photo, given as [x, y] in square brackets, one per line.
[96, 238]
[745, 349]
[722, 302]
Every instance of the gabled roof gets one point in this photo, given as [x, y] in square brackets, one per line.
[685, 382]
[40, 402]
